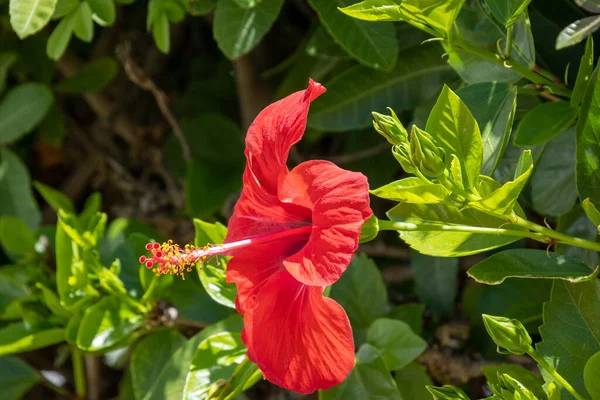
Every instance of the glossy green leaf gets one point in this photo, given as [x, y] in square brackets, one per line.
[571, 329]
[169, 380]
[456, 131]
[588, 143]
[55, 198]
[22, 109]
[591, 211]
[202, 7]
[16, 377]
[93, 77]
[150, 356]
[61, 36]
[577, 31]
[17, 338]
[216, 358]
[447, 392]
[524, 376]
[436, 281]
[397, 344]
[30, 16]
[322, 45]
[64, 7]
[84, 24]
[591, 376]
[354, 94]
[586, 68]
[362, 292]
[412, 314]
[553, 189]
[369, 379]
[373, 45]
[104, 11]
[575, 223]
[413, 190]
[433, 16]
[503, 199]
[17, 197]
[411, 381]
[544, 122]
[530, 263]
[453, 244]
[16, 237]
[507, 11]
[493, 105]
[233, 23]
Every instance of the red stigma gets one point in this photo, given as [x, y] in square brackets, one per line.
[149, 246]
[142, 259]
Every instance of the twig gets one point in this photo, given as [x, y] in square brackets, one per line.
[359, 155]
[92, 368]
[141, 79]
[59, 390]
[253, 92]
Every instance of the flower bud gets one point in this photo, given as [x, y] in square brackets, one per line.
[447, 392]
[508, 388]
[390, 127]
[369, 230]
[402, 154]
[508, 334]
[429, 158]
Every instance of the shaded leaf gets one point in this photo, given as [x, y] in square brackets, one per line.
[544, 122]
[524, 376]
[93, 77]
[16, 377]
[397, 344]
[22, 109]
[436, 281]
[412, 314]
[411, 381]
[584, 74]
[591, 376]
[17, 338]
[54, 198]
[577, 31]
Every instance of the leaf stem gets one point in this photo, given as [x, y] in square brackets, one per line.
[521, 69]
[550, 369]
[510, 32]
[78, 372]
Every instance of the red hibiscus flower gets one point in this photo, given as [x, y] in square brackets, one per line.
[292, 234]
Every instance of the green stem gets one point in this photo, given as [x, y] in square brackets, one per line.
[515, 66]
[78, 371]
[551, 233]
[550, 369]
[385, 225]
[509, 42]
[453, 187]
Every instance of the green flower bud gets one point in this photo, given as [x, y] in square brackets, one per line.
[447, 392]
[508, 334]
[390, 127]
[369, 230]
[508, 388]
[402, 154]
[429, 158]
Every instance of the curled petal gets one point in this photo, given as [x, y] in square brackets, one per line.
[300, 340]
[339, 200]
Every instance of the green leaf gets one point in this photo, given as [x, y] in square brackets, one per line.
[7, 60]
[22, 109]
[51, 300]
[52, 128]
[64, 7]
[17, 338]
[586, 68]
[411, 381]
[61, 36]
[247, 3]
[17, 198]
[577, 31]
[16, 237]
[507, 11]
[591, 376]
[14, 288]
[433, 16]
[524, 376]
[413, 190]
[362, 292]
[169, 381]
[150, 356]
[553, 189]
[530, 263]
[93, 77]
[373, 45]
[436, 281]
[54, 198]
[453, 244]
[369, 379]
[447, 392]
[161, 33]
[493, 105]
[216, 358]
[104, 11]
[202, 7]
[503, 199]
[575, 223]
[588, 143]
[84, 24]
[544, 122]
[456, 131]
[571, 329]
[397, 344]
[232, 24]
[589, 5]
[30, 16]
[107, 324]
[412, 314]
[591, 211]
[322, 45]
[354, 94]
[16, 378]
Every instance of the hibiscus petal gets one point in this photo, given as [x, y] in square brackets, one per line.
[299, 339]
[339, 200]
[274, 131]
